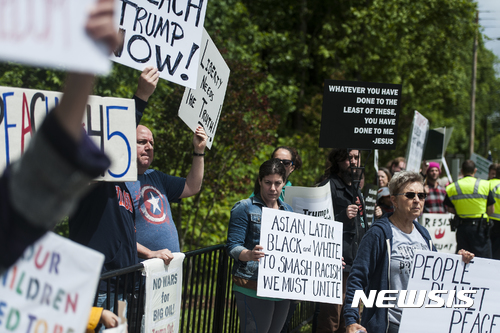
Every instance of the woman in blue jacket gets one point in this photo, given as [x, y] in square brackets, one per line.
[385, 255]
[257, 314]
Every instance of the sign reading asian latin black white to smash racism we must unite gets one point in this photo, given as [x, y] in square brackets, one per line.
[360, 115]
[303, 257]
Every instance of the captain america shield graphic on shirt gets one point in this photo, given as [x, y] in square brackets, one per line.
[152, 205]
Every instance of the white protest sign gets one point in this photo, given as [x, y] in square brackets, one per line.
[416, 144]
[313, 201]
[110, 122]
[163, 294]
[447, 272]
[482, 166]
[303, 257]
[50, 33]
[162, 34]
[438, 226]
[51, 288]
[204, 105]
[375, 161]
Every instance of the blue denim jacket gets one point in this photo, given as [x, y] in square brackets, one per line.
[244, 233]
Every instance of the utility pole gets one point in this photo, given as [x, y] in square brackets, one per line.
[473, 89]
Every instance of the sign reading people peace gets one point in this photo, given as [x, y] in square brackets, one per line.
[110, 122]
[360, 115]
[163, 34]
[50, 33]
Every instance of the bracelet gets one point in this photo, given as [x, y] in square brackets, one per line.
[196, 154]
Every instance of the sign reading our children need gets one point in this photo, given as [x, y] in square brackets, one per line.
[110, 122]
[303, 257]
[51, 288]
[360, 115]
[162, 34]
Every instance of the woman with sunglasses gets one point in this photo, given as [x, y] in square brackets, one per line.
[396, 236]
[257, 314]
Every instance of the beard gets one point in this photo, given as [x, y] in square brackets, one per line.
[349, 174]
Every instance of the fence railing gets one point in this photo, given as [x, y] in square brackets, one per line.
[207, 305]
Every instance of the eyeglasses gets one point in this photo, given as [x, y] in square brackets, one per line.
[411, 195]
[287, 162]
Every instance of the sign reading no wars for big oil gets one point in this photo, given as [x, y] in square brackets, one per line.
[163, 294]
[51, 288]
[303, 257]
[360, 115]
[163, 34]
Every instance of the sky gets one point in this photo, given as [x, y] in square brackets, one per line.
[489, 19]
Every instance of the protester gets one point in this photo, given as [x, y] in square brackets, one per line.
[54, 172]
[154, 190]
[396, 165]
[101, 316]
[472, 200]
[384, 204]
[349, 209]
[492, 171]
[105, 220]
[257, 314]
[384, 177]
[434, 203]
[495, 217]
[396, 236]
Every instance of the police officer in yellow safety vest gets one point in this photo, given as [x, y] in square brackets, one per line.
[472, 200]
[495, 217]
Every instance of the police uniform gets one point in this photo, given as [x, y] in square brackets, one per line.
[470, 198]
[495, 218]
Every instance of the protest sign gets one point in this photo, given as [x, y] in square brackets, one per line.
[375, 161]
[434, 147]
[313, 201]
[303, 257]
[482, 166]
[360, 115]
[415, 148]
[370, 202]
[162, 34]
[163, 294]
[438, 226]
[51, 288]
[448, 273]
[204, 105]
[110, 122]
[50, 33]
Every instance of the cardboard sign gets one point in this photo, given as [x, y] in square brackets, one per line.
[51, 288]
[50, 34]
[313, 201]
[370, 202]
[203, 106]
[110, 122]
[163, 294]
[482, 166]
[162, 34]
[415, 149]
[438, 226]
[360, 115]
[303, 257]
[439, 271]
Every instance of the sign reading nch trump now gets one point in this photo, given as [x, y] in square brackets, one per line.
[303, 257]
[109, 122]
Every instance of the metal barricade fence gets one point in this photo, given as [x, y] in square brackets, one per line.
[207, 305]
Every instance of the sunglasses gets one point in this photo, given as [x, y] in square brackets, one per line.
[287, 162]
[411, 195]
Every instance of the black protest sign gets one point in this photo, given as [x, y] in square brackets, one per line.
[370, 202]
[360, 115]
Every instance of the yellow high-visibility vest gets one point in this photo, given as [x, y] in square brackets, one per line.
[469, 195]
[495, 188]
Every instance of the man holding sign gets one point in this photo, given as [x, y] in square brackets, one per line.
[153, 191]
[50, 178]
